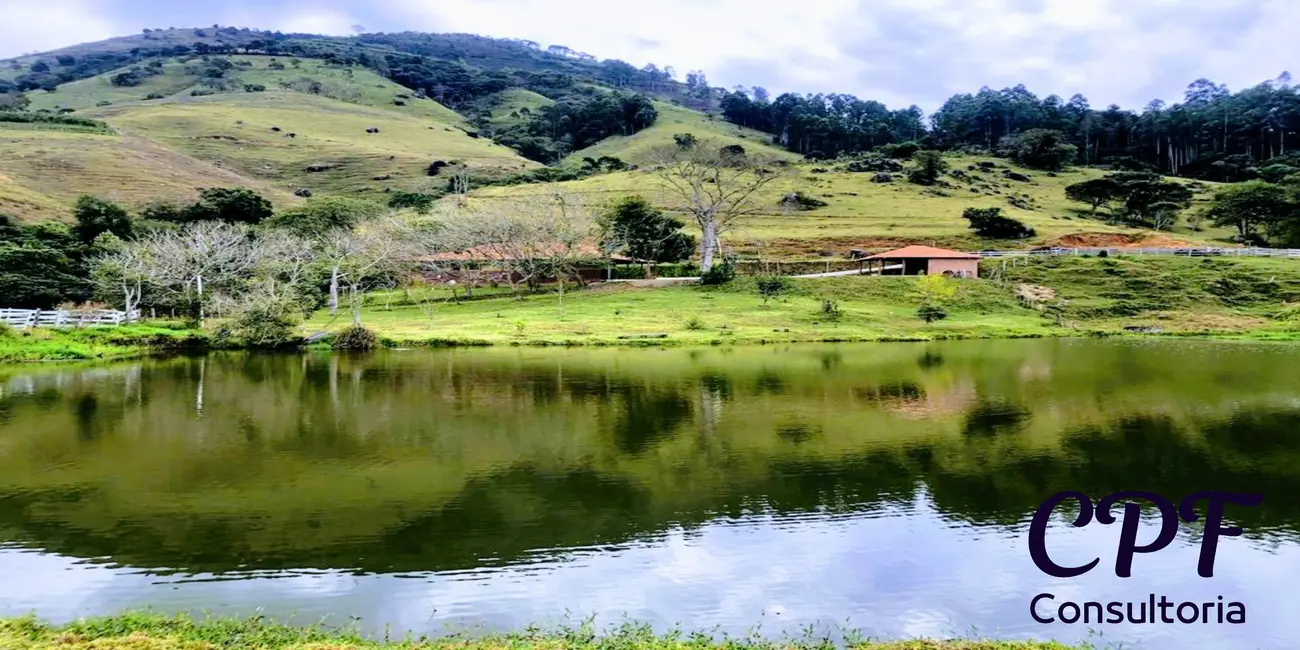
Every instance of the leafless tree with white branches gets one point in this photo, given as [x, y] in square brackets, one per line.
[716, 189]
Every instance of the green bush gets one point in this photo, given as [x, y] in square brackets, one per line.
[721, 273]
[355, 337]
[263, 324]
[771, 286]
[931, 313]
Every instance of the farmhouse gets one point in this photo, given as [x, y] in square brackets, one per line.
[923, 260]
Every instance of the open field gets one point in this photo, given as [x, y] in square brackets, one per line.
[863, 214]
[155, 632]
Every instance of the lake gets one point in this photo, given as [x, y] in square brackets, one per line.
[883, 487]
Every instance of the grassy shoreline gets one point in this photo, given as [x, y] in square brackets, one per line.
[45, 344]
[145, 631]
[1250, 299]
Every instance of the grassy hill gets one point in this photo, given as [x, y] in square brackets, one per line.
[312, 76]
[169, 148]
[239, 131]
[43, 172]
[863, 214]
[676, 119]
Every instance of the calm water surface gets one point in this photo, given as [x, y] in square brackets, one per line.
[883, 487]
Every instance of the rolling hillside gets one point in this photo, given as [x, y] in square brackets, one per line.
[332, 122]
[307, 130]
[864, 214]
[43, 172]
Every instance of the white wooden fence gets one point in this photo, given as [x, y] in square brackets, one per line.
[1187, 252]
[25, 318]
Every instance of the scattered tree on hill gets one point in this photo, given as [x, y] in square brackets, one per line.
[231, 205]
[1144, 198]
[417, 201]
[1152, 201]
[989, 222]
[1039, 148]
[95, 216]
[928, 167]
[634, 226]
[685, 140]
[716, 191]
[1096, 192]
[1258, 210]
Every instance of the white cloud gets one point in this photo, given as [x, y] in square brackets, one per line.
[40, 25]
[896, 51]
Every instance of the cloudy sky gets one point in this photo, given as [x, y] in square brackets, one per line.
[897, 51]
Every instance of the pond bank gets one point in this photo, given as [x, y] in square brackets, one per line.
[154, 632]
[95, 343]
[1246, 298]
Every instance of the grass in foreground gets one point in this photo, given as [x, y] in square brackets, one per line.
[74, 344]
[154, 632]
[869, 309]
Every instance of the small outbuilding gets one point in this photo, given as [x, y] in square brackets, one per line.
[923, 260]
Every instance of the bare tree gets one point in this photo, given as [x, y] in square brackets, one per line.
[460, 183]
[200, 258]
[716, 189]
[124, 271]
[364, 257]
[529, 238]
[281, 263]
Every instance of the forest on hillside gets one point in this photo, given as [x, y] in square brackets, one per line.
[1212, 134]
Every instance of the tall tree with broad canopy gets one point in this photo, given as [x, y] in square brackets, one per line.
[717, 190]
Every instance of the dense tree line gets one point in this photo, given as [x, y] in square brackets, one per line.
[1212, 134]
[823, 125]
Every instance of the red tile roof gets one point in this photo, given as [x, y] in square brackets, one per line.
[929, 252]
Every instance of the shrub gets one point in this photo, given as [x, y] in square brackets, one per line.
[694, 323]
[830, 309]
[355, 337]
[931, 313]
[771, 286]
[901, 150]
[721, 273]
[262, 324]
[419, 202]
[989, 222]
[801, 201]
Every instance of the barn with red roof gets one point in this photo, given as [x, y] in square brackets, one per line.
[926, 260]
